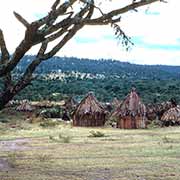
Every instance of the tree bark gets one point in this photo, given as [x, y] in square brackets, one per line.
[5, 98]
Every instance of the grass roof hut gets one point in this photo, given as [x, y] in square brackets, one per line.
[116, 103]
[89, 113]
[25, 106]
[171, 117]
[70, 104]
[131, 114]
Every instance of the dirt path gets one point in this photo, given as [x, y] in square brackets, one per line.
[11, 146]
[14, 145]
[4, 165]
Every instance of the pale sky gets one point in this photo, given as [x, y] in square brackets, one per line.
[155, 31]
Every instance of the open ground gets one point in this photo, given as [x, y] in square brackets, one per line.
[32, 152]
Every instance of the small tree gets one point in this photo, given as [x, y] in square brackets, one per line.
[62, 23]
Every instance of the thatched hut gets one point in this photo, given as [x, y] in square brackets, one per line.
[171, 117]
[70, 104]
[25, 106]
[116, 103]
[131, 114]
[43, 104]
[156, 111]
[89, 113]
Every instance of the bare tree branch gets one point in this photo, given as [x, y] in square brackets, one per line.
[62, 24]
[27, 76]
[92, 4]
[21, 19]
[4, 59]
[54, 6]
[54, 13]
[3, 48]
[107, 18]
[130, 7]
[42, 49]
[63, 21]
[34, 35]
[78, 25]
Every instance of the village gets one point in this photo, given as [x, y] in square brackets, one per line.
[129, 113]
[122, 140]
[89, 90]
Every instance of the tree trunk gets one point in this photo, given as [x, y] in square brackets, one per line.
[5, 97]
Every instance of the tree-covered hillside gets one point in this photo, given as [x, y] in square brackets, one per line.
[58, 78]
[107, 67]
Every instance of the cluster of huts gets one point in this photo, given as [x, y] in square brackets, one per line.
[130, 113]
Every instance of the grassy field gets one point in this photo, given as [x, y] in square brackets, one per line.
[31, 152]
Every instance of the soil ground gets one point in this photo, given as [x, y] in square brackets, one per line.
[31, 152]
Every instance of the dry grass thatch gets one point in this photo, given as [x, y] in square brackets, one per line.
[25, 106]
[70, 103]
[131, 113]
[42, 104]
[116, 103]
[48, 104]
[89, 112]
[172, 115]
[156, 110]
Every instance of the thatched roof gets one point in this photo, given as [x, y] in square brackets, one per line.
[13, 103]
[172, 114]
[70, 103]
[47, 104]
[25, 106]
[43, 104]
[157, 110]
[116, 103]
[132, 105]
[90, 105]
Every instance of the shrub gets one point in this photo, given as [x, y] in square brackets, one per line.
[4, 120]
[61, 138]
[166, 139]
[43, 157]
[12, 159]
[48, 123]
[96, 134]
[51, 113]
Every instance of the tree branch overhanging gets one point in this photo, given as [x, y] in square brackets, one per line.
[37, 31]
[21, 19]
[61, 23]
[3, 48]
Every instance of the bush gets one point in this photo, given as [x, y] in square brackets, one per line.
[43, 157]
[154, 124]
[65, 138]
[48, 123]
[12, 159]
[96, 134]
[51, 113]
[61, 138]
[166, 139]
[4, 120]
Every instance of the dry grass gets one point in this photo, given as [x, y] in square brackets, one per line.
[120, 155]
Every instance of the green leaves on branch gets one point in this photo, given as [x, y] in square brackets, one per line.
[122, 37]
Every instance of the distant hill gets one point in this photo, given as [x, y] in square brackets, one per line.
[106, 67]
[62, 77]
